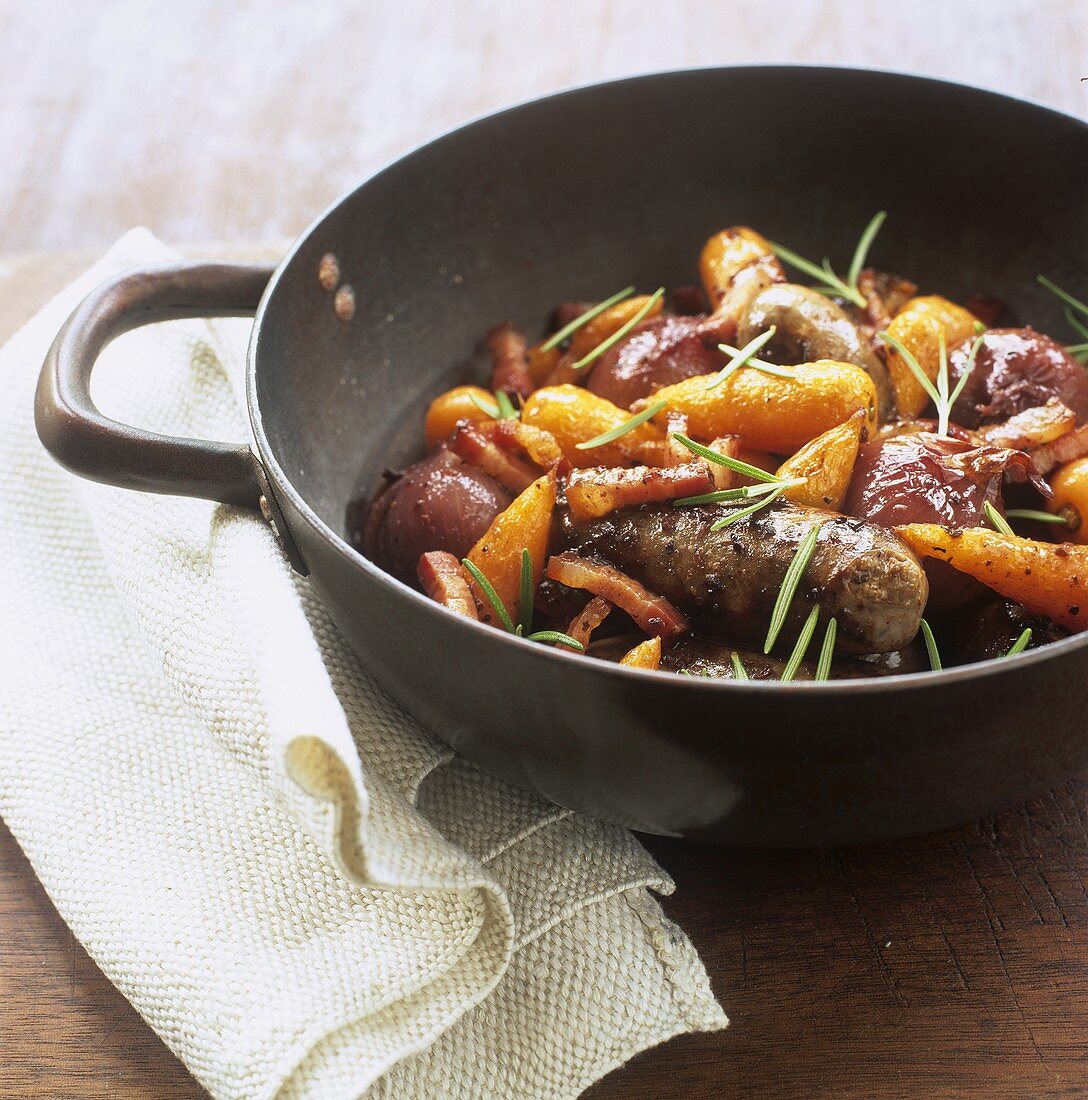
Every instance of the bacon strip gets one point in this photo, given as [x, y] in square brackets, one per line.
[598, 490]
[588, 619]
[471, 443]
[654, 614]
[444, 579]
[509, 361]
[512, 435]
[1051, 455]
[1032, 428]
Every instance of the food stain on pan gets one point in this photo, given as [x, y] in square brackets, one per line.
[328, 271]
[344, 302]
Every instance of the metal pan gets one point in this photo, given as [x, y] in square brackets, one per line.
[569, 197]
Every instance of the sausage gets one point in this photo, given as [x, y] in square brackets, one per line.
[658, 353]
[728, 579]
[438, 503]
[1015, 369]
[811, 327]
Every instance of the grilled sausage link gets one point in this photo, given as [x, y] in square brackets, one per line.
[728, 579]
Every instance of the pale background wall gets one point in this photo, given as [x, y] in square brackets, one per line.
[208, 119]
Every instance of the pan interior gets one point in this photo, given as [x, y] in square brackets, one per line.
[577, 195]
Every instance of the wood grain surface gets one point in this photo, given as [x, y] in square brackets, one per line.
[953, 965]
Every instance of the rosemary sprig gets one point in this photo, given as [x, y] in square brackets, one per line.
[739, 671]
[827, 650]
[1036, 516]
[619, 430]
[762, 365]
[1076, 323]
[801, 646]
[997, 520]
[745, 492]
[938, 393]
[740, 357]
[492, 596]
[557, 636]
[790, 582]
[829, 282]
[584, 318]
[506, 406]
[1074, 303]
[621, 332]
[1074, 306]
[931, 647]
[733, 464]
[1020, 644]
[525, 592]
[484, 407]
[743, 513]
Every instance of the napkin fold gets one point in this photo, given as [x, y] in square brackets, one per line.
[302, 891]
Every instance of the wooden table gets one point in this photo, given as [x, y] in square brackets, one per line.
[952, 965]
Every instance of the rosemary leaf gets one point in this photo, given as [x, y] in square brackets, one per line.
[997, 520]
[745, 492]
[790, 582]
[931, 647]
[584, 318]
[733, 464]
[557, 636]
[827, 650]
[865, 242]
[1020, 644]
[739, 671]
[506, 406]
[525, 594]
[801, 646]
[491, 594]
[620, 333]
[486, 408]
[1065, 296]
[740, 357]
[619, 430]
[743, 513]
[1036, 516]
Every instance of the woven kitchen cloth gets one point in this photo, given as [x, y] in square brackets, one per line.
[301, 890]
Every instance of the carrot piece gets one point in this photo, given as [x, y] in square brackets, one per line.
[473, 444]
[1045, 577]
[646, 654]
[828, 463]
[524, 525]
[447, 408]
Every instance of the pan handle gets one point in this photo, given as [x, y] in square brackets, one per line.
[84, 441]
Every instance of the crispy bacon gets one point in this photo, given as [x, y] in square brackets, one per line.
[1030, 429]
[444, 579]
[1051, 455]
[509, 361]
[471, 443]
[598, 490]
[885, 295]
[654, 614]
[588, 619]
[512, 435]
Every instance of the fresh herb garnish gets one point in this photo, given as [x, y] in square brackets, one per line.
[733, 464]
[997, 520]
[485, 407]
[1036, 516]
[827, 650]
[938, 394]
[931, 647]
[621, 332]
[557, 636]
[801, 646]
[762, 365]
[743, 513]
[739, 671]
[740, 357]
[506, 406]
[830, 283]
[525, 592]
[745, 492]
[635, 421]
[491, 594]
[790, 582]
[1020, 644]
[1075, 305]
[584, 318]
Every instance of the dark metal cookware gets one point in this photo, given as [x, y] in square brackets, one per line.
[570, 197]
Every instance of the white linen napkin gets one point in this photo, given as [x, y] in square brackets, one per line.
[303, 892]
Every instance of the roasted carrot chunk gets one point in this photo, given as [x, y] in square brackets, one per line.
[828, 464]
[524, 525]
[447, 408]
[1047, 578]
[646, 654]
